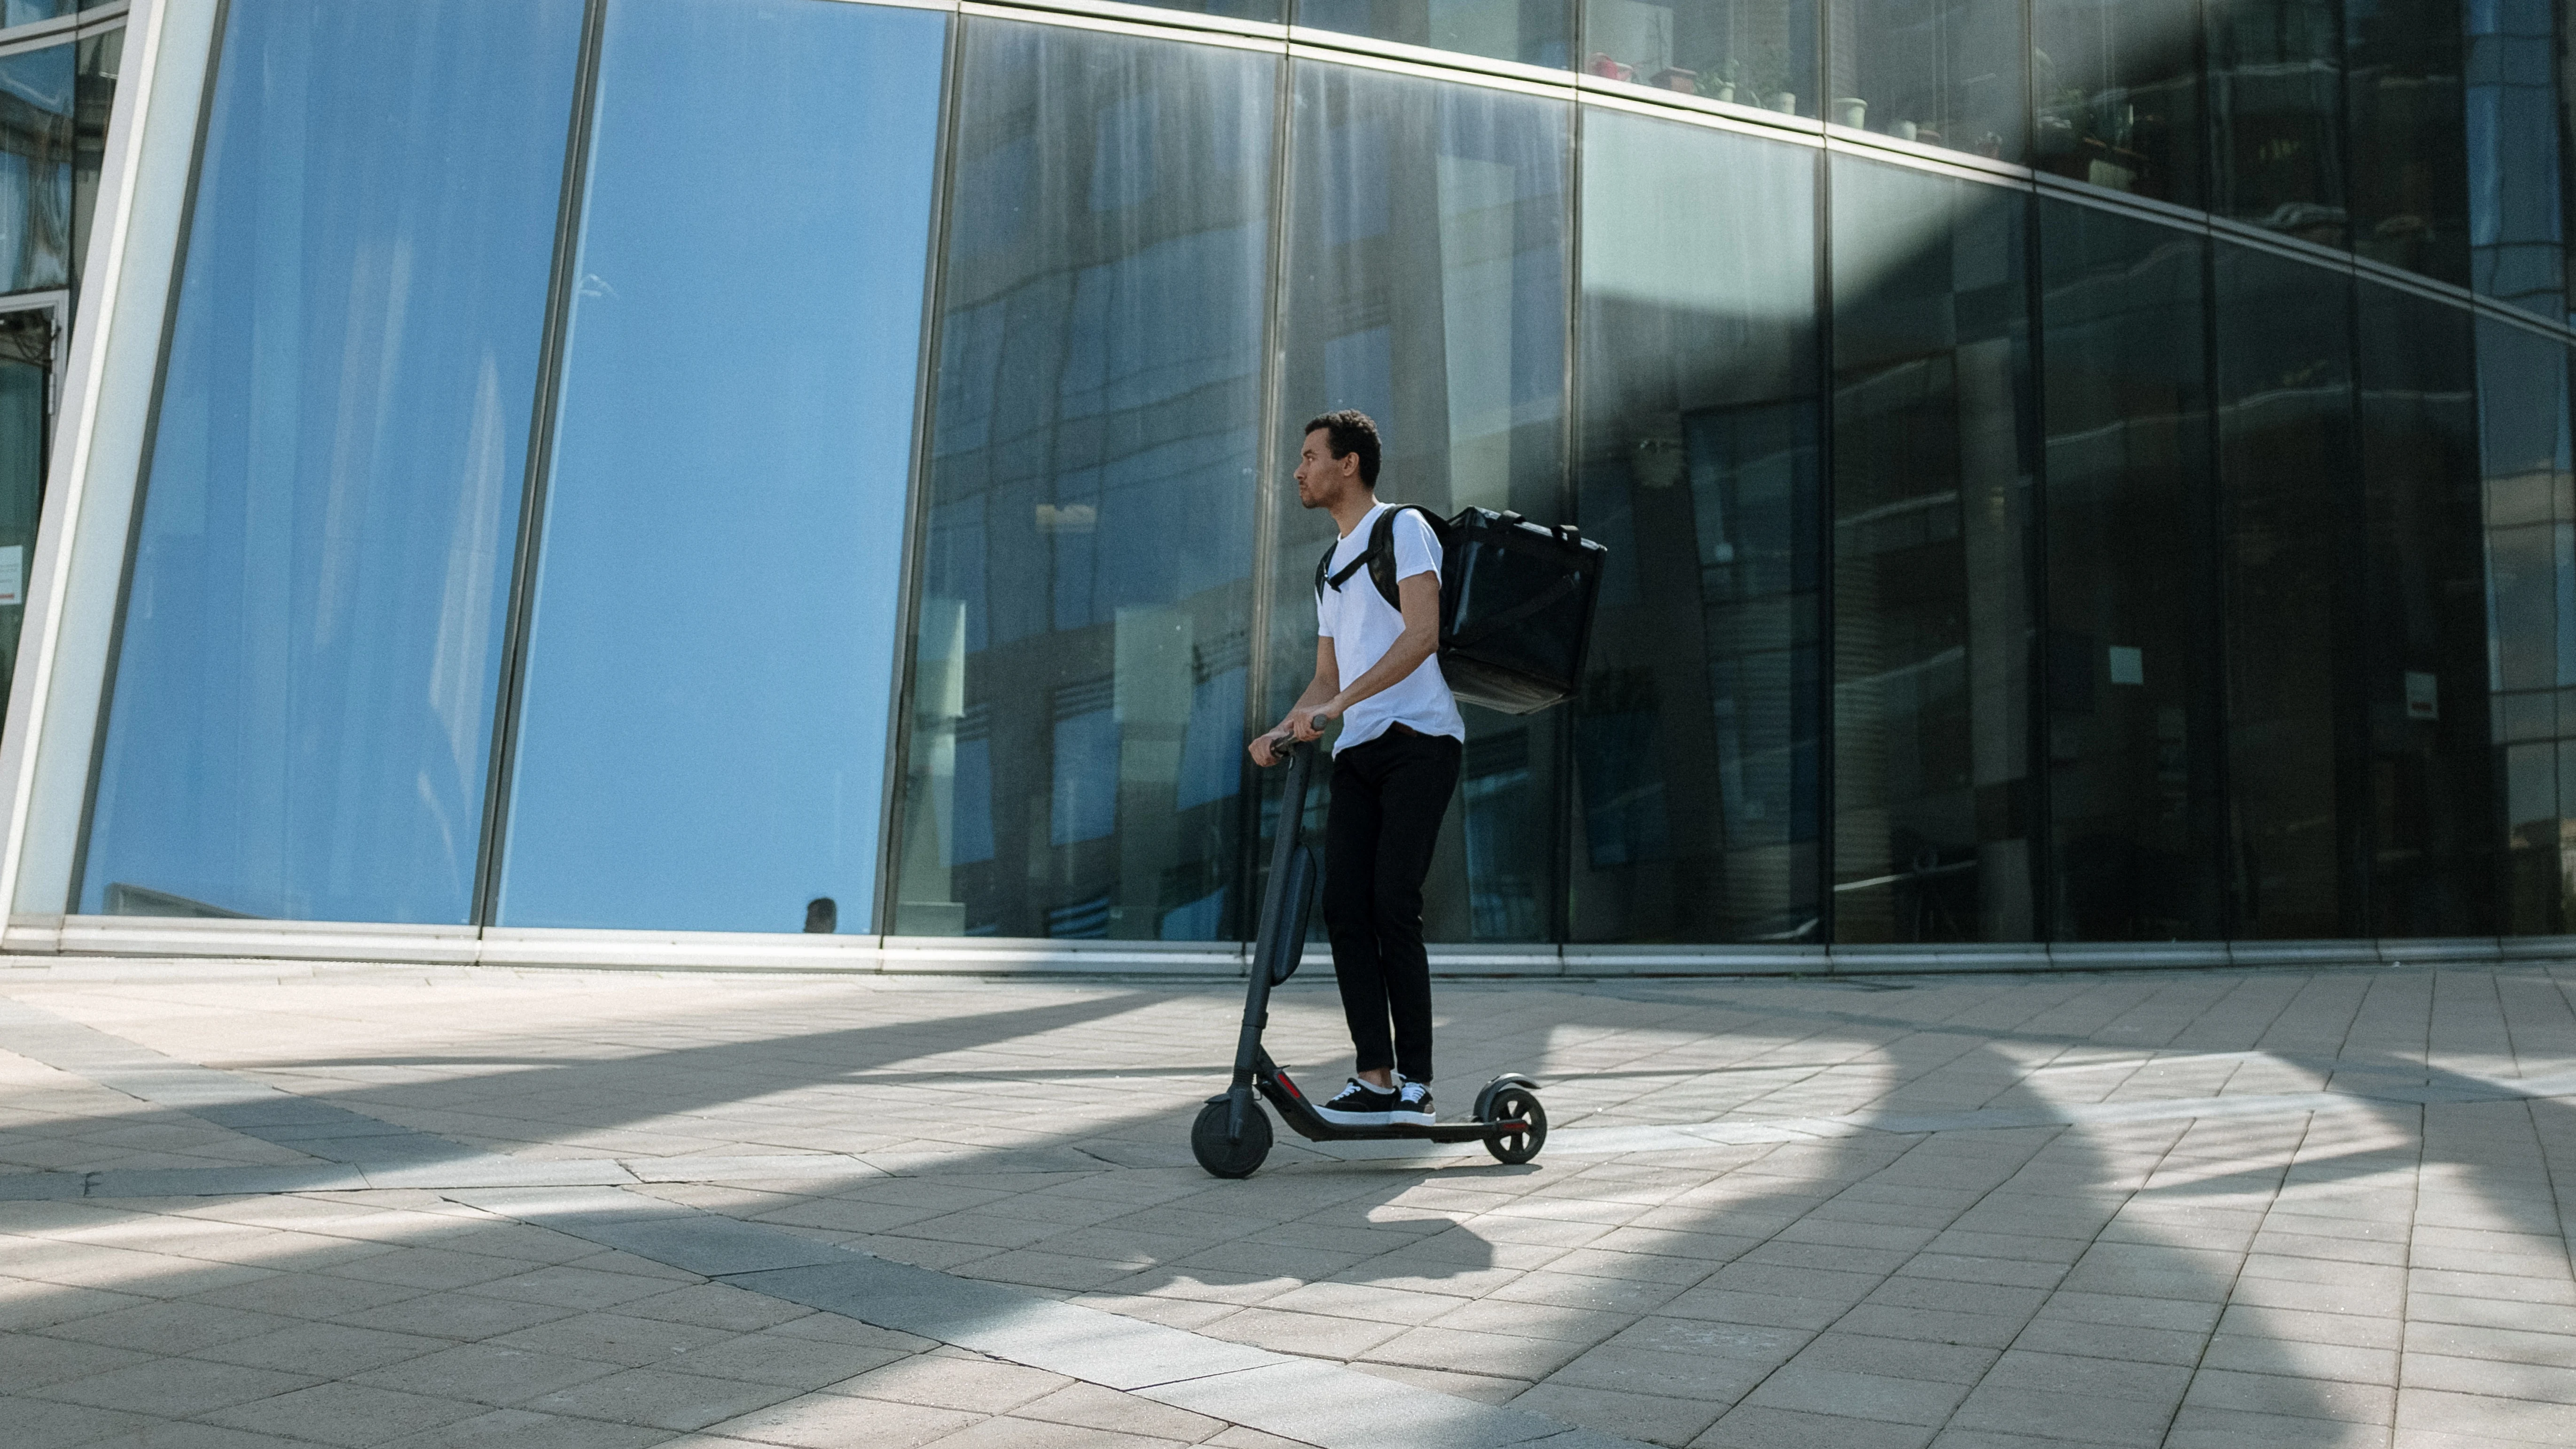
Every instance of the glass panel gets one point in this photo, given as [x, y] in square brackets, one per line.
[94, 93]
[2432, 787]
[1695, 740]
[2410, 205]
[702, 735]
[27, 12]
[1268, 11]
[1427, 288]
[2275, 103]
[1752, 52]
[1533, 32]
[1940, 72]
[2287, 474]
[2517, 216]
[303, 696]
[1078, 686]
[2531, 610]
[2116, 84]
[26, 383]
[1932, 475]
[37, 90]
[2132, 689]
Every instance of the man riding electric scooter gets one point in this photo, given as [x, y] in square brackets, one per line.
[1394, 768]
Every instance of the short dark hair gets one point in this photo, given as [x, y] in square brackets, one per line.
[1350, 431]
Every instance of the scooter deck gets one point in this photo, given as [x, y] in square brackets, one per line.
[1300, 1116]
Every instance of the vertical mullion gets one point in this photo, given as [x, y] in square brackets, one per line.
[1570, 502]
[2214, 629]
[1253, 781]
[569, 216]
[894, 800]
[1824, 541]
[2039, 824]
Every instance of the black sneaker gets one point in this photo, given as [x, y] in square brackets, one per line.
[1359, 1105]
[1413, 1103]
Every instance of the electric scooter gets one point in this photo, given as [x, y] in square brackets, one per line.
[1232, 1133]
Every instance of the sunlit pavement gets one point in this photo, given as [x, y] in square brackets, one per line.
[264, 1205]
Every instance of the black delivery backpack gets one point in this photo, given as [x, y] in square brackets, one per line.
[1516, 603]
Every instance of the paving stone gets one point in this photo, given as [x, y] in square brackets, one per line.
[340, 1413]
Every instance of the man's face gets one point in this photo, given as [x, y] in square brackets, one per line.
[1321, 477]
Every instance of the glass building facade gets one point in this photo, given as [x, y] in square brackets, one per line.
[2078, 475]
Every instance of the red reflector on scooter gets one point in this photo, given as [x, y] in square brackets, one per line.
[1287, 1086]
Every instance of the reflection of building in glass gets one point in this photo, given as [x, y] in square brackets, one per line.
[761, 473]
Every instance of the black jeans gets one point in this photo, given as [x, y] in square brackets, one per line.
[1388, 797]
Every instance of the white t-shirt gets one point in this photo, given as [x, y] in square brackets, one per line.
[1363, 626]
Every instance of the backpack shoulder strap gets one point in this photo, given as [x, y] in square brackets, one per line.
[1381, 557]
[1324, 570]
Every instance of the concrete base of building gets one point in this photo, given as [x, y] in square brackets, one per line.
[32, 940]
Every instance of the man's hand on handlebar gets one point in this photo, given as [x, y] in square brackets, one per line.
[1265, 748]
[1301, 725]
[1309, 723]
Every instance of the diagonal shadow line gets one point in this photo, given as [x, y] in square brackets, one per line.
[319, 1126]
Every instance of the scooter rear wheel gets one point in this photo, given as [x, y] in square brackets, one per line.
[1508, 1105]
[1230, 1159]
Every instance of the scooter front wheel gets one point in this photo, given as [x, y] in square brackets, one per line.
[1230, 1159]
[1511, 1104]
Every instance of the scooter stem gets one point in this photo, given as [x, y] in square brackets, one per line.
[1268, 944]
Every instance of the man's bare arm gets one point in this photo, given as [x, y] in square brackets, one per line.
[1328, 674]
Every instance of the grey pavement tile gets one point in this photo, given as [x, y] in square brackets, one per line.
[1952, 1326]
[1482, 1388]
[2303, 1398]
[1846, 1352]
[1730, 1306]
[486, 1373]
[453, 1315]
[1008, 1432]
[40, 1424]
[30, 1305]
[965, 1382]
[1849, 1394]
[2201, 1428]
[1462, 1351]
[2261, 1353]
[174, 1388]
[1671, 1375]
[31, 1361]
[2456, 1340]
[1312, 1335]
[344, 1413]
[2161, 1384]
[519, 1429]
[1650, 1417]
[171, 1328]
[328, 1350]
[662, 1397]
[429, 1268]
[2062, 1414]
[1092, 1407]
[573, 1287]
[1755, 1426]
[2180, 1315]
[612, 1338]
[2496, 1377]
[834, 1421]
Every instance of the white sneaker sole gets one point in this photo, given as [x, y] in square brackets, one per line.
[1355, 1119]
